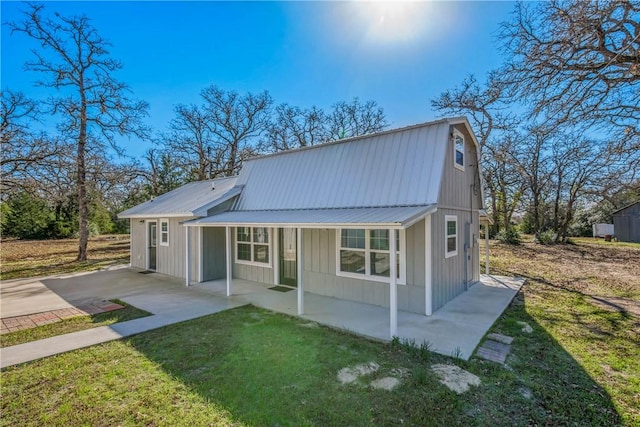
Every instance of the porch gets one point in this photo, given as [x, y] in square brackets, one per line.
[455, 329]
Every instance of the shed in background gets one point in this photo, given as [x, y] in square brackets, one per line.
[626, 223]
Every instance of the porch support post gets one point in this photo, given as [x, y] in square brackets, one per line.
[275, 238]
[428, 271]
[228, 258]
[299, 264]
[486, 249]
[187, 279]
[393, 284]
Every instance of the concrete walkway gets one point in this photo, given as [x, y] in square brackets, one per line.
[455, 329]
[165, 297]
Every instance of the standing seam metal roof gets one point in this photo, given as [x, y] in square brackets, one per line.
[394, 168]
[190, 200]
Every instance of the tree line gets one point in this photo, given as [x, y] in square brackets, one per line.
[558, 126]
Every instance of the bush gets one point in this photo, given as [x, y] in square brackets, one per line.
[547, 237]
[510, 236]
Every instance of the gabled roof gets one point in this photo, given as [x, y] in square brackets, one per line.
[400, 167]
[190, 200]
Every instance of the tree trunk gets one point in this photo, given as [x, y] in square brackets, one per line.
[83, 211]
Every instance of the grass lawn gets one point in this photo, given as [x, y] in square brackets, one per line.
[73, 325]
[29, 258]
[248, 366]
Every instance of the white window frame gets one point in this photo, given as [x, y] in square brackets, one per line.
[252, 243]
[447, 219]
[402, 280]
[163, 233]
[457, 134]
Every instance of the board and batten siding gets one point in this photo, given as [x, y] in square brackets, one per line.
[319, 272]
[459, 195]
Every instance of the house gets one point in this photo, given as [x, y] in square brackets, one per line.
[390, 219]
[626, 223]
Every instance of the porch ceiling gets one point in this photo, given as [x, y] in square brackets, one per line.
[380, 217]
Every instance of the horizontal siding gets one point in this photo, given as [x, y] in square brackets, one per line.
[391, 169]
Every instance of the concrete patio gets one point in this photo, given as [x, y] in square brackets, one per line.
[455, 329]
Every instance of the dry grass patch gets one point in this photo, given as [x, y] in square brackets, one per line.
[31, 258]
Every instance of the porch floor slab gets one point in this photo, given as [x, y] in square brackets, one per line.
[455, 329]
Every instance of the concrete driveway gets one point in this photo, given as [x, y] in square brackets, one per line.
[155, 293]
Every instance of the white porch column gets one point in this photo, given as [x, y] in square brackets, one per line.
[299, 272]
[275, 239]
[228, 253]
[428, 272]
[187, 279]
[486, 249]
[393, 284]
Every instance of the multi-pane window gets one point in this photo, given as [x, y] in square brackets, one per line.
[458, 150]
[366, 253]
[164, 232]
[451, 235]
[252, 244]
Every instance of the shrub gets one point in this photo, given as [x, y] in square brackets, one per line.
[547, 237]
[510, 236]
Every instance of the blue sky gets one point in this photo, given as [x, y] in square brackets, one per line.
[304, 53]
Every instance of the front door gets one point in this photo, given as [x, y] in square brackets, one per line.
[288, 254]
[152, 238]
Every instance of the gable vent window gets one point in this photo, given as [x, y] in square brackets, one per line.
[164, 232]
[458, 150]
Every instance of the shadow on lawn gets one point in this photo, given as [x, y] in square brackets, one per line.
[265, 369]
[542, 383]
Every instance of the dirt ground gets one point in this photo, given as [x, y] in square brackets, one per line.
[602, 270]
[29, 258]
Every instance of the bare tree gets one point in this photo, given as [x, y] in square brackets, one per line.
[191, 142]
[349, 119]
[293, 127]
[487, 105]
[235, 121]
[75, 61]
[21, 148]
[577, 61]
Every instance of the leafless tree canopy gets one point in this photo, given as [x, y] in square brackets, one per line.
[235, 120]
[579, 61]
[21, 148]
[90, 103]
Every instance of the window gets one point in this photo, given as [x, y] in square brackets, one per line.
[252, 245]
[365, 254]
[451, 235]
[164, 232]
[458, 150]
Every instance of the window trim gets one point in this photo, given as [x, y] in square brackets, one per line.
[402, 279]
[161, 233]
[269, 245]
[456, 134]
[447, 219]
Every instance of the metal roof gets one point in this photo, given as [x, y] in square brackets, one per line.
[386, 217]
[402, 167]
[190, 200]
